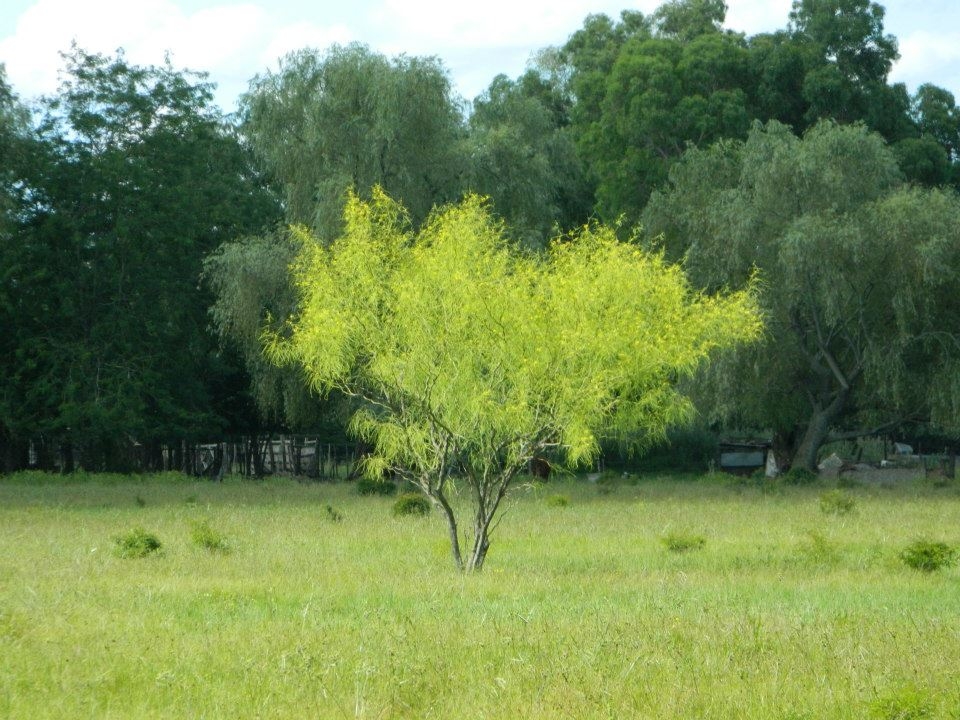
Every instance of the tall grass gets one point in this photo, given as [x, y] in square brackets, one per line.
[581, 612]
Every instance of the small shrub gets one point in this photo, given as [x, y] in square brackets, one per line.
[411, 504]
[837, 502]
[799, 476]
[206, 537]
[908, 703]
[558, 501]
[334, 515]
[682, 542]
[818, 549]
[137, 543]
[928, 556]
[368, 486]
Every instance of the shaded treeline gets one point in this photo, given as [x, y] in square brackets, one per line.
[144, 243]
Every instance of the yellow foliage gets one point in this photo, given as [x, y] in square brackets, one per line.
[460, 342]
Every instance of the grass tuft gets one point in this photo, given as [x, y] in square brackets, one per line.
[679, 542]
[204, 536]
[558, 501]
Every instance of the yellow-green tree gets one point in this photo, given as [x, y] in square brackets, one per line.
[470, 357]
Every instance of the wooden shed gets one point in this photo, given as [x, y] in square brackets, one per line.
[743, 457]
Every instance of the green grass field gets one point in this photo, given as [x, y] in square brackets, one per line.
[581, 611]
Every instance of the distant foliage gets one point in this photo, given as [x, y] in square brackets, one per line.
[136, 543]
[928, 556]
[411, 504]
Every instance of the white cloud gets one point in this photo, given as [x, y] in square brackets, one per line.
[439, 24]
[232, 41]
[757, 16]
[301, 35]
[236, 39]
[929, 57]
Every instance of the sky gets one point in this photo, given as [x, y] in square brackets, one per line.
[235, 40]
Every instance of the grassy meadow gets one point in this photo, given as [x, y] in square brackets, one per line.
[777, 609]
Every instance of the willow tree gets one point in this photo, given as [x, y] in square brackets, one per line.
[470, 358]
[348, 117]
[860, 283]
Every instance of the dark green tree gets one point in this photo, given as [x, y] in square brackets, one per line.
[134, 177]
[849, 34]
[523, 157]
[687, 19]
[647, 88]
[14, 148]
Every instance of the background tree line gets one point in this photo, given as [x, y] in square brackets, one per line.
[144, 243]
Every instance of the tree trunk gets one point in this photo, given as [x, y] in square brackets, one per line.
[481, 543]
[259, 455]
[14, 453]
[66, 456]
[818, 429]
[441, 500]
[784, 447]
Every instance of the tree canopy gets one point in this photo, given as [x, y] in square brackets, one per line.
[348, 117]
[522, 156]
[144, 237]
[471, 358]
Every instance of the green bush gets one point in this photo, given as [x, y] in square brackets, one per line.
[558, 501]
[908, 703]
[367, 486]
[928, 556]
[837, 502]
[411, 504]
[207, 538]
[137, 543]
[682, 542]
[799, 476]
